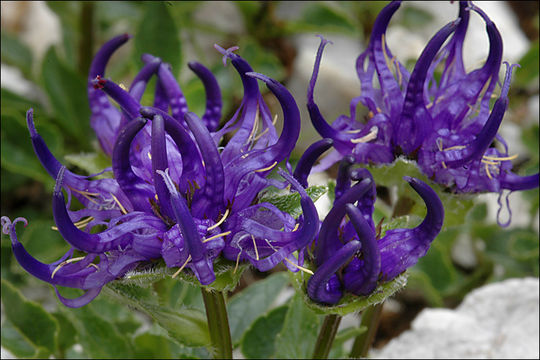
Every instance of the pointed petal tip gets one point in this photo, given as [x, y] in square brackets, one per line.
[259, 76]
[30, 122]
[227, 53]
[98, 82]
[149, 58]
[324, 41]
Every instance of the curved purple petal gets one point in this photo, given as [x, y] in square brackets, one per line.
[415, 121]
[324, 286]
[210, 201]
[308, 158]
[134, 187]
[360, 276]
[212, 114]
[401, 248]
[328, 234]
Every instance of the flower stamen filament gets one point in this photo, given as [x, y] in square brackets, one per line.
[181, 267]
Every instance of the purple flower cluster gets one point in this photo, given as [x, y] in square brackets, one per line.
[178, 191]
[349, 255]
[445, 125]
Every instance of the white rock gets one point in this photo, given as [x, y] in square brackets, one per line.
[499, 320]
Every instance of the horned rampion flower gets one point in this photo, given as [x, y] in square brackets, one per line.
[349, 256]
[179, 191]
[446, 125]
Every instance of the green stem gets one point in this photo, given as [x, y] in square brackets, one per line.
[218, 323]
[326, 336]
[370, 319]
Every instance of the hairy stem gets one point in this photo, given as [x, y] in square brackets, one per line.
[370, 319]
[218, 323]
[326, 336]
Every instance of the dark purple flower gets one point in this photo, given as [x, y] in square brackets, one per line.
[445, 125]
[348, 255]
[179, 191]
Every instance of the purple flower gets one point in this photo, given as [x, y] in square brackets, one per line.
[179, 191]
[445, 125]
[348, 255]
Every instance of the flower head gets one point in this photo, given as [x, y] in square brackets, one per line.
[446, 125]
[349, 256]
[179, 191]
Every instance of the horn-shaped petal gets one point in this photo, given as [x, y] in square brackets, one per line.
[160, 162]
[360, 276]
[212, 114]
[192, 167]
[401, 248]
[324, 286]
[105, 119]
[415, 121]
[328, 234]
[308, 158]
[210, 202]
[134, 187]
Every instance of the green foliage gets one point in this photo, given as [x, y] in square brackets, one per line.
[66, 91]
[172, 310]
[290, 203]
[324, 17]
[99, 337]
[527, 73]
[186, 326]
[33, 330]
[299, 333]
[245, 307]
[158, 34]
[15, 53]
[259, 340]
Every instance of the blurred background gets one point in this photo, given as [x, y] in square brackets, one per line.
[46, 50]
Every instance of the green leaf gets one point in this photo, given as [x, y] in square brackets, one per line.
[69, 14]
[13, 101]
[323, 17]
[29, 318]
[523, 245]
[18, 344]
[158, 35]
[66, 90]
[258, 341]
[290, 203]
[91, 163]
[44, 243]
[186, 326]
[297, 338]
[98, 336]
[150, 346]
[17, 152]
[420, 280]
[16, 53]
[528, 71]
[349, 303]
[437, 265]
[250, 303]
[67, 334]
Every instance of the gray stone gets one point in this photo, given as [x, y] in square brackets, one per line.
[499, 320]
